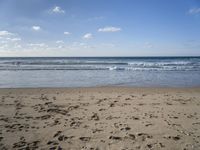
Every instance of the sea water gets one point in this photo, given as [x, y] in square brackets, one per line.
[99, 71]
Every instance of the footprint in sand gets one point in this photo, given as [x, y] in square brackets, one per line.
[125, 129]
[102, 109]
[148, 124]
[44, 117]
[52, 143]
[115, 138]
[95, 117]
[63, 138]
[85, 139]
[144, 136]
[57, 133]
[22, 144]
[135, 118]
[96, 130]
[175, 138]
[127, 99]
[75, 124]
[112, 105]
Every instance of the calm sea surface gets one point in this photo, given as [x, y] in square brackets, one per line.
[100, 71]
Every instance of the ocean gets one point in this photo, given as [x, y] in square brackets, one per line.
[35, 72]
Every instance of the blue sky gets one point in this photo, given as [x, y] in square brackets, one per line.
[99, 27]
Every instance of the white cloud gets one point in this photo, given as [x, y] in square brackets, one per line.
[36, 28]
[3, 46]
[194, 11]
[109, 29]
[14, 39]
[37, 45]
[67, 33]
[60, 46]
[88, 36]
[59, 42]
[9, 40]
[58, 9]
[5, 33]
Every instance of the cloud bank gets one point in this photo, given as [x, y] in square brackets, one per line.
[5, 33]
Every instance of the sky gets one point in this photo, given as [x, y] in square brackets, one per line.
[99, 28]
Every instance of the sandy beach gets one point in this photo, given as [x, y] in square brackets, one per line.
[102, 118]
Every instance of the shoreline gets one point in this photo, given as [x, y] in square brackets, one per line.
[102, 87]
[100, 118]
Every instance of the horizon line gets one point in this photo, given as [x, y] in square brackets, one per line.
[89, 56]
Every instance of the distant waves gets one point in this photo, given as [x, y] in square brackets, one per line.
[100, 71]
[103, 63]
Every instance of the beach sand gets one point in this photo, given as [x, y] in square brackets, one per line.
[101, 118]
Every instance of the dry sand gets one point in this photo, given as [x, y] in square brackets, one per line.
[105, 118]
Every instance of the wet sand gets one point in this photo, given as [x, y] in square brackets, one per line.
[104, 118]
